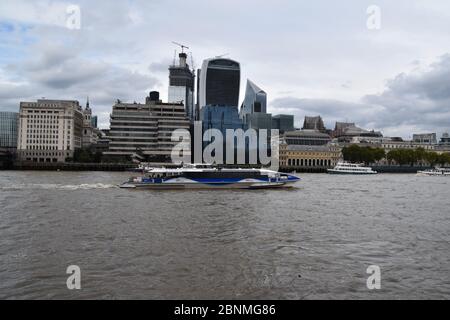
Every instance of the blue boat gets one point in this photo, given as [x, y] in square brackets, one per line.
[209, 177]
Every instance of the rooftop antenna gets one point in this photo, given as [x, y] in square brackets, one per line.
[181, 45]
[174, 58]
[223, 55]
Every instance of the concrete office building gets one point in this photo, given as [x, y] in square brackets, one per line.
[144, 131]
[49, 130]
[8, 130]
[445, 139]
[425, 138]
[181, 85]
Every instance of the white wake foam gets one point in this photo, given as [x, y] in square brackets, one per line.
[48, 186]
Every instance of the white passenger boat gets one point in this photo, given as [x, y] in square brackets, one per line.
[351, 168]
[209, 177]
[435, 172]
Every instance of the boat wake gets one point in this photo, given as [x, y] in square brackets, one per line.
[58, 187]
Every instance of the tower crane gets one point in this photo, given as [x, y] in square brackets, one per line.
[181, 45]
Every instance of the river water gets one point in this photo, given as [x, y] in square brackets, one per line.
[314, 241]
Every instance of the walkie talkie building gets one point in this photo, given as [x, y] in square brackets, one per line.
[219, 83]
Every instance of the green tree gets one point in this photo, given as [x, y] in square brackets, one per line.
[367, 155]
[443, 159]
[432, 158]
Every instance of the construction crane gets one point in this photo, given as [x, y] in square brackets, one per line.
[180, 45]
[192, 62]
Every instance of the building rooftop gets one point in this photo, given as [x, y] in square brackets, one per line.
[322, 148]
[307, 133]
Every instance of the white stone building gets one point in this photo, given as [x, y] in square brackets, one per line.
[49, 130]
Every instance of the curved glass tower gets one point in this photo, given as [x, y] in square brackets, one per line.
[219, 83]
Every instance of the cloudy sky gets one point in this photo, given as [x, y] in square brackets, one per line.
[311, 57]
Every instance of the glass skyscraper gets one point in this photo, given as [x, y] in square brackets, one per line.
[219, 83]
[8, 129]
[254, 108]
[221, 118]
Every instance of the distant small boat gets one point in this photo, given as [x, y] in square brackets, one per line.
[351, 168]
[435, 172]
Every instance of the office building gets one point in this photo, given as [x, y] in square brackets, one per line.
[221, 118]
[255, 100]
[94, 121]
[346, 132]
[144, 131]
[219, 83]
[445, 140]
[254, 108]
[8, 130]
[49, 130]
[306, 138]
[425, 138]
[283, 123]
[181, 85]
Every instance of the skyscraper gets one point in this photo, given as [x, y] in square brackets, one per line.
[255, 100]
[254, 108]
[219, 83]
[8, 129]
[181, 85]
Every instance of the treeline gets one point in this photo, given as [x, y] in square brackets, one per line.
[369, 155]
[85, 156]
[365, 155]
[413, 156]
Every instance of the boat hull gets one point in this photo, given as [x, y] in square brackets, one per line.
[210, 185]
[351, 173]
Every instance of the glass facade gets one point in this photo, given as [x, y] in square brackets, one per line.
[255, 100]
[283, 122]
[8, 129]
[219, 83]
[220, 117]
[254, 108]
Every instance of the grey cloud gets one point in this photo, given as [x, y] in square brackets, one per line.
[418, 101]
[60, 75]
[161, 67]
[330, 110]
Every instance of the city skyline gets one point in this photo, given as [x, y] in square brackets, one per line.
[394, 79]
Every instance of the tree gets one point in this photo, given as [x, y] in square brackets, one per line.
[432, 158]
[355, 153]
[443, 159]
